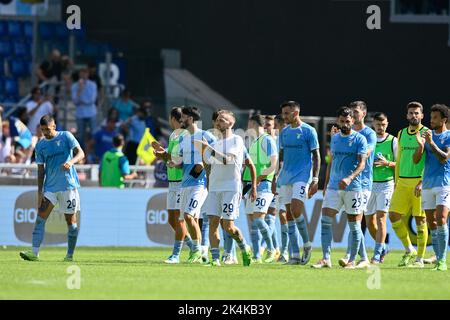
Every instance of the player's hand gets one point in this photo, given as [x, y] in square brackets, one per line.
[344, 183]
[313, 188]
[40, 196]
[66, 166]
[171, 164]
[418, 189]
[274, 187]
[381, 162]
[420, 140]
[157, 147]
[253, 194]
[334, 130]
[428, 136]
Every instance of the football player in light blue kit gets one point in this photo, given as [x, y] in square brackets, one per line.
[299, 152]
[57, 184]
[436, 180]
[193, 184]
[343, 186]
[359, 109]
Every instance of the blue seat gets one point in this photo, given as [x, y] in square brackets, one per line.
[3, 29]
[5, 48]
[15, 29]
[2, 87]
[2, 67]
[21, 49]
[79, 34]
[28, 29]
[18, 67]
[12, 99]
[11, 87]
[46, 30]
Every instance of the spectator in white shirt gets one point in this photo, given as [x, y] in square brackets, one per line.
[37, 107]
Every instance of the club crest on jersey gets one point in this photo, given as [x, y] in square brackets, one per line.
[350, 143]
[299, 135]
[58, 143]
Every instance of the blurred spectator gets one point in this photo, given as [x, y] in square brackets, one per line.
[103, 140]
[93, 75]
[150, 121]
[19, 131]
[115, 167]
[124, 105]
[135, 127]
[37, 107]
[84, 95]
[51, 68]
[6, 143]
[112, 114]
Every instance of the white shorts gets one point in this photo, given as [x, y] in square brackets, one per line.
[365, 199]
[261, 204]
[224, 204]
[65, 202]
[192, 199]
[351, 201]
[275, 204]
[379, 201]
[298, 190]
[439, 196]
[174, 196]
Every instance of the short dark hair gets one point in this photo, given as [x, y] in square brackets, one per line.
[142, 110]
[292, 104]
[442, 109]
[176, 113]
[379, 116]
[279, 118]
[344, 112]
[118, 140]
[361, 104]
[35, 90]
[46, 120]
[215, 114]
[270, 118]
[414, 105]
[259, 119]
[193, 112]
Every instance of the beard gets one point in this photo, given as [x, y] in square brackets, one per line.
[345, 130]
[414, 122]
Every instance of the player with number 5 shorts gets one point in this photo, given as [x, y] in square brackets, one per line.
[58, 184]
[299, 153]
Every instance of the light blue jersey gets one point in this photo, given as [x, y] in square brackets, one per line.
[345, 151]
[367, 174]
[297, 144]
[437, 174]
[53, 154]
[191, 157]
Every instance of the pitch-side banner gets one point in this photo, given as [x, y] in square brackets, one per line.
[131, 217]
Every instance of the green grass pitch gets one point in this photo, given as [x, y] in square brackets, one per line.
[138, 273]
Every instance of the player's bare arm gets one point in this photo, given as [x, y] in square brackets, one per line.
[327, 175]
[249, 163]
[441, 155]
[315, 171]
[344, 183]
[420, 149]
[79, 155]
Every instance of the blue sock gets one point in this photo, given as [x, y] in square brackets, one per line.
[271, 222]
[349, 244]
[38, 234]
[177, 246]
[435, 242]
[189, 243]
[195, 245]
[293, 239]
[326, 236]
[443, 241]
[256, 240]
[205, 231]
[72, 236]
[265, 232]
[242, 244]
[215, 253]
[303, 229]
[284, 238]
[378, 250]
[355, 229]
[362, 247]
